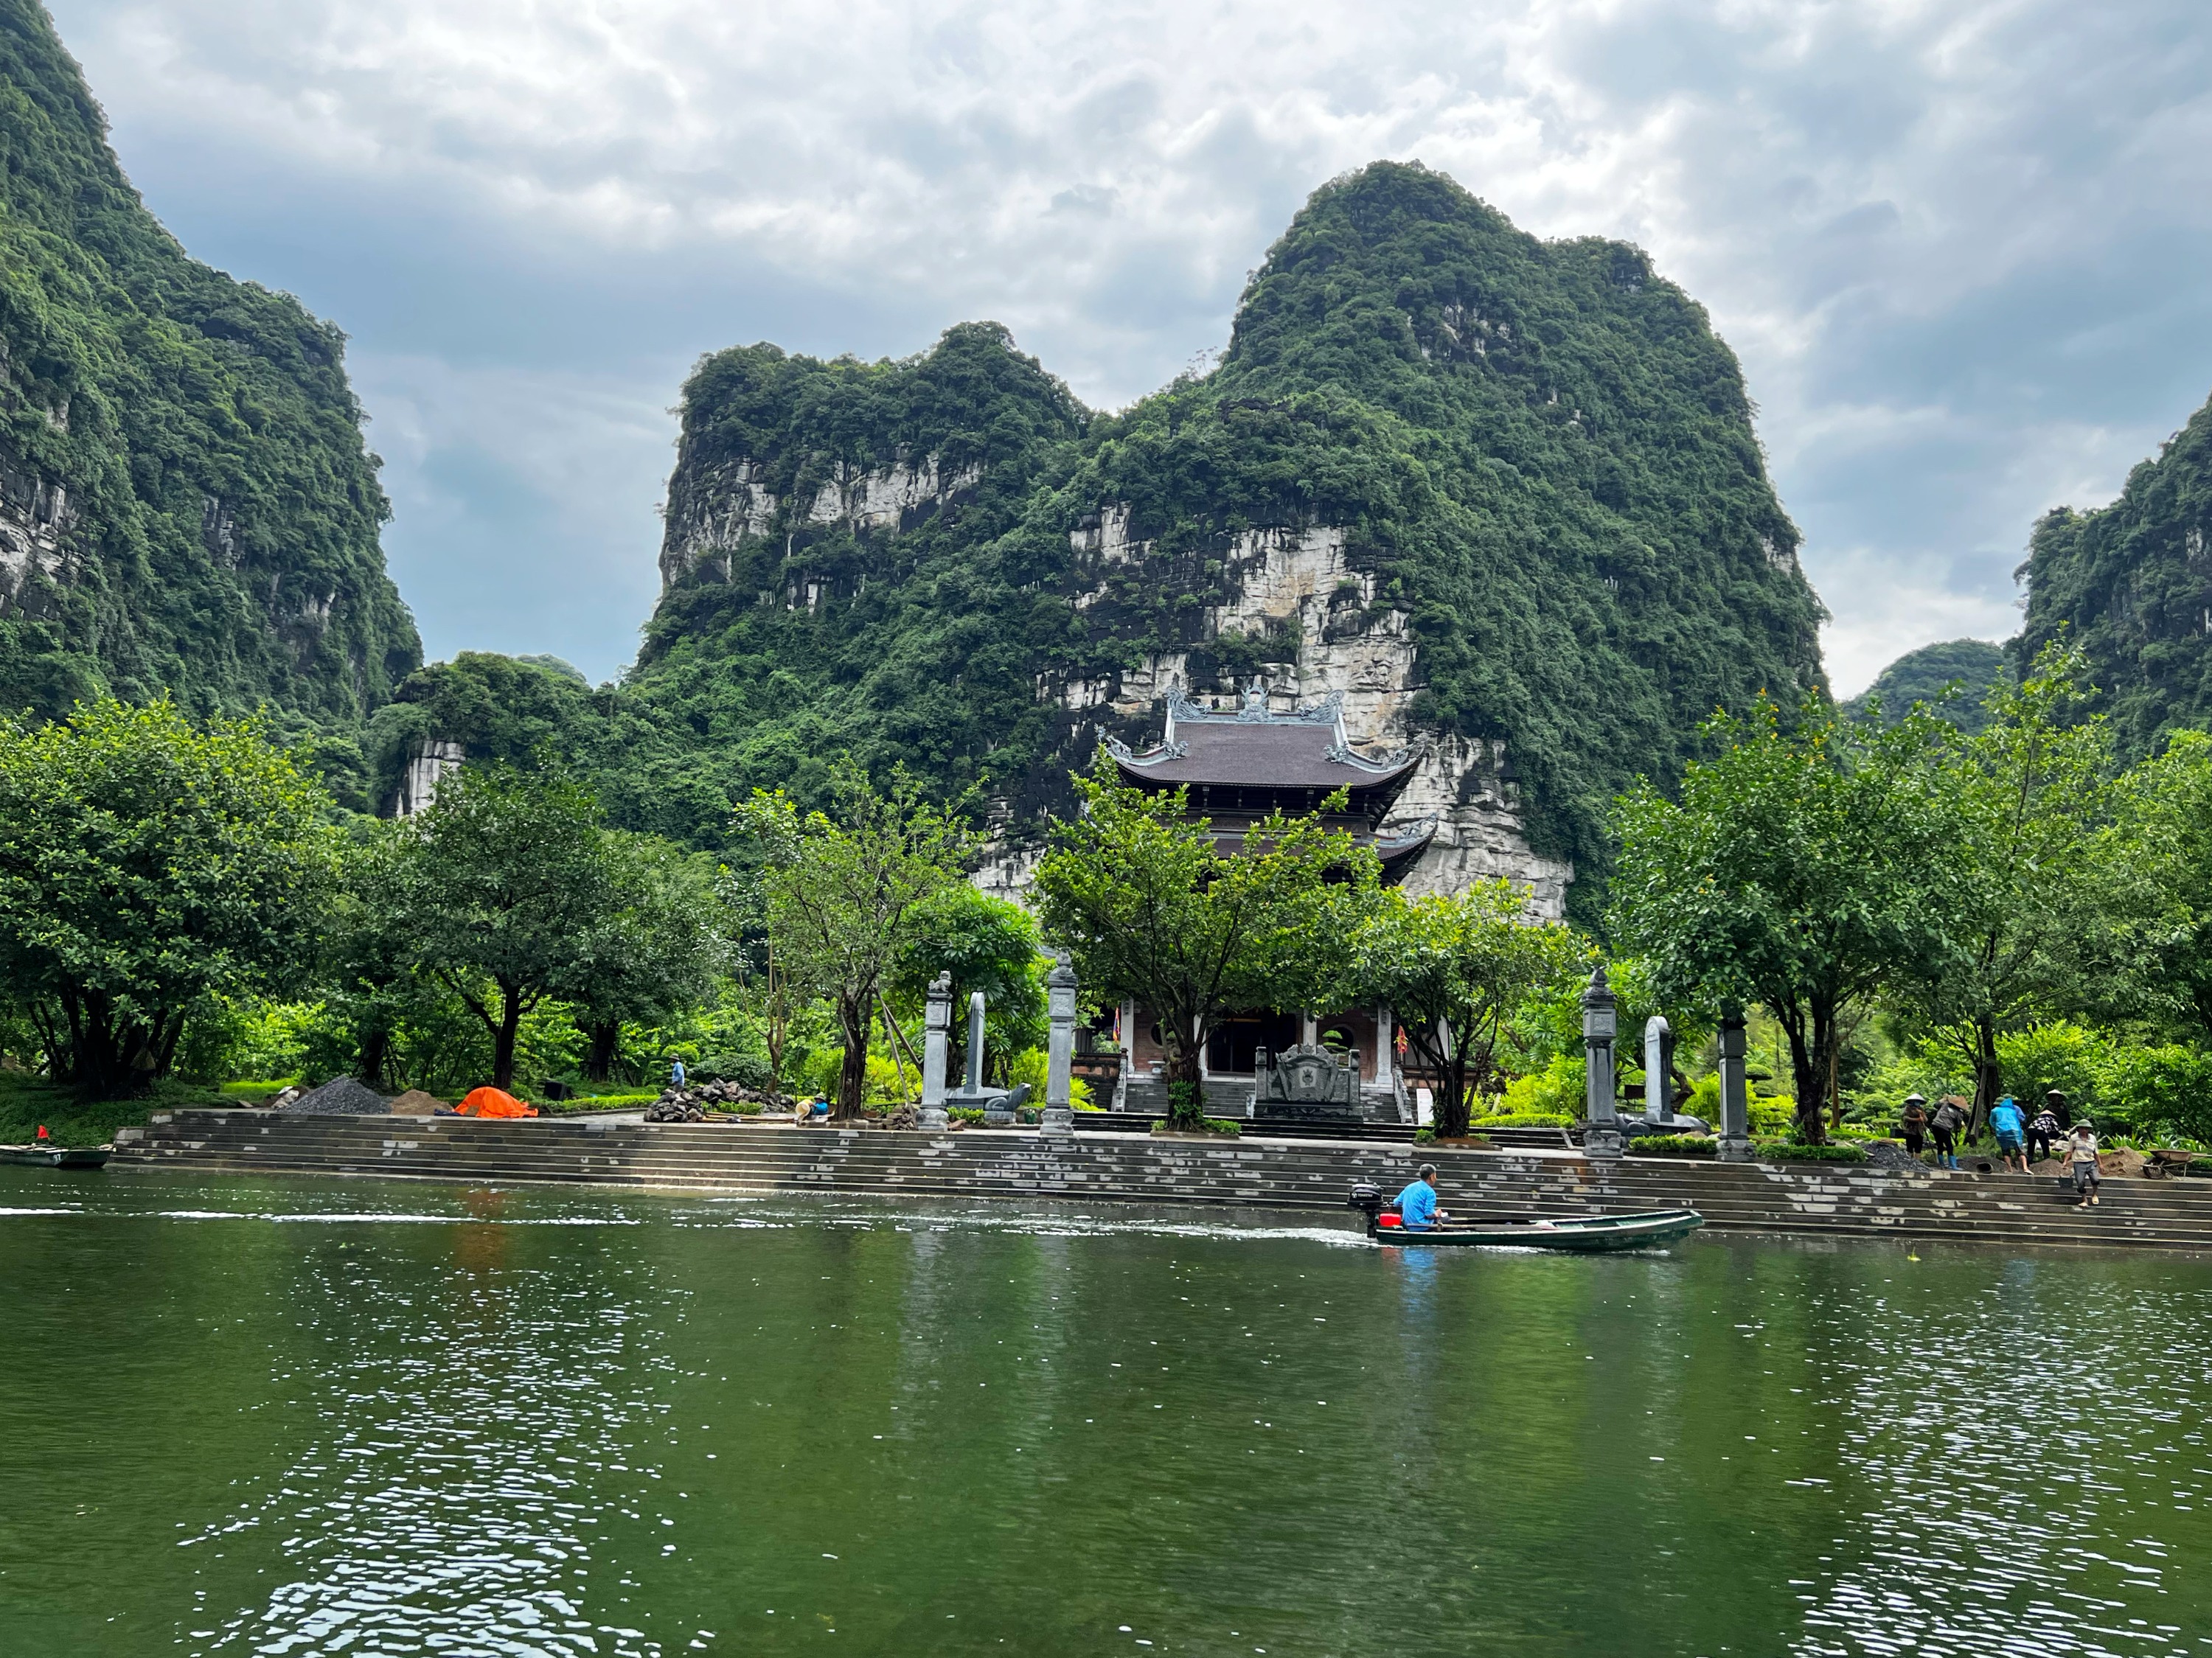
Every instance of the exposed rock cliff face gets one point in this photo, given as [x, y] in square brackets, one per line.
[186, 502]
[1502, 495]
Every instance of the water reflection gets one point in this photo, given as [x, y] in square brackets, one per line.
[404, 1420]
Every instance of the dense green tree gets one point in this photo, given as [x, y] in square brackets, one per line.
[2020, 805]
[986, 943]
[370, 965]
[1803, 867]
[2150, 942]
[1455, 968]
[1136, 888]
[656, 953]
[146, 863]
[843, 892]
[511, 889]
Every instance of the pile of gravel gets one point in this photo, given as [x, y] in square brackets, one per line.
[341, 1096]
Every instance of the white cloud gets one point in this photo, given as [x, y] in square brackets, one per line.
[1956, 244]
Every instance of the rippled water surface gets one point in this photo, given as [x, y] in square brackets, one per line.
[306, 1418]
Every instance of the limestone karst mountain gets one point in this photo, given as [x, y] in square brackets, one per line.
[2132, 583]
[1974, 666]
[1502, 495]
[185, 500]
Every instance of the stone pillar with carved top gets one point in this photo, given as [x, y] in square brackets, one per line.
[1060, 1051]
[934, 1052]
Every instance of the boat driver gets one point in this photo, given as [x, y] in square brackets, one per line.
[1417, 1204]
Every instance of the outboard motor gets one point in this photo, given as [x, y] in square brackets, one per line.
[1367, 1198]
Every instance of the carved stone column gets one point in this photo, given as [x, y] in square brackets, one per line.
[1735, 1105]
[1060, 1050]
[937, 1024]
[1601, 1023]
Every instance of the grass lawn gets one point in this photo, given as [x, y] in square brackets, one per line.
[26, 1102]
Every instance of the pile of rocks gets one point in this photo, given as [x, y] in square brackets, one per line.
[707, 1097]
[340, 1096]
[667, 1110]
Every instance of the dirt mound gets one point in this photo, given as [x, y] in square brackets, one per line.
[340, 1096]
[415, 1104]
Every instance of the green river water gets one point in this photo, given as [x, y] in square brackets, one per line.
[308, 1417]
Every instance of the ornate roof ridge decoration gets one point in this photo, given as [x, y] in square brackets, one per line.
[1420, 829]
[1153, 756]
[1252, 710]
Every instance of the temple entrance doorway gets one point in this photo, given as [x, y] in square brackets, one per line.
[1233, 1045]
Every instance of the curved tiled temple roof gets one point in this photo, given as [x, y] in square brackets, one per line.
[1245, 762]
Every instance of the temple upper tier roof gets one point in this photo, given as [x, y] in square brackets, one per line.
[1249, 754]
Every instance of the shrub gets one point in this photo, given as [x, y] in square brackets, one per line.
[1524, 1119]
[1424, 1136]
[1772, 1116]
[1029, 1065]
[1792, 1151]
[1557, 1090]
[1672, 1146]
[965, 1113]
[2157, 1090]
[2058, 1054]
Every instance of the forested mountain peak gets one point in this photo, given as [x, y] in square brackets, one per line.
[2132, 584]
[1501, 494]
[186, 503]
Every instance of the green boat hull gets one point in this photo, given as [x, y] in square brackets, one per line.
[56, 1157]
[1590, 1235]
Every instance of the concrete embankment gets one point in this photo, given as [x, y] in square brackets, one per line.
[1251, 1172]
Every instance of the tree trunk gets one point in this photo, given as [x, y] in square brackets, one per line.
[502, 1051]
[1186, 1083]
[375, 1054]
[1989, 1075]
[1809, 1070]
[606, 1046]
[852, 1077]
[1451, 1111]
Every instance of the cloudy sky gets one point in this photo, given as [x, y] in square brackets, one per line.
[1964, 247]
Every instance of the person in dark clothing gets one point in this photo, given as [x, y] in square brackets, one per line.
[2044, 1129]
[1950, 1117]
[1912, 1123]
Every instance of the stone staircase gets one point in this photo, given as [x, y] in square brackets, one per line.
[1251, 1173]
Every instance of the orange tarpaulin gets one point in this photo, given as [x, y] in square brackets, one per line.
[491, 1102]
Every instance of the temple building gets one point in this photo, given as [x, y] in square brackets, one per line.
[1240, 763]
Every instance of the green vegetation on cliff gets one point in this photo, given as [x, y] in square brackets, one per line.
[186, 502]
[1927, 675]
[2131, 584]
[1539, 458]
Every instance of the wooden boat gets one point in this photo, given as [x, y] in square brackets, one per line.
[1582, 1234]
[57, 1156]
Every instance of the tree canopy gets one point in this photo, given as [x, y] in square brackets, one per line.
[146, 863]
[1804, 866]
[1136, 888]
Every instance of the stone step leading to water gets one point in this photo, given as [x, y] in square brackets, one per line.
[1298, 1175]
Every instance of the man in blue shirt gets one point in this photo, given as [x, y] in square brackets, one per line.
[2005, 1119]
[1417, 1204]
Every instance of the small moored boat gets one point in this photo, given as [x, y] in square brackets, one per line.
[1583, 1234]
[57, 1156]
